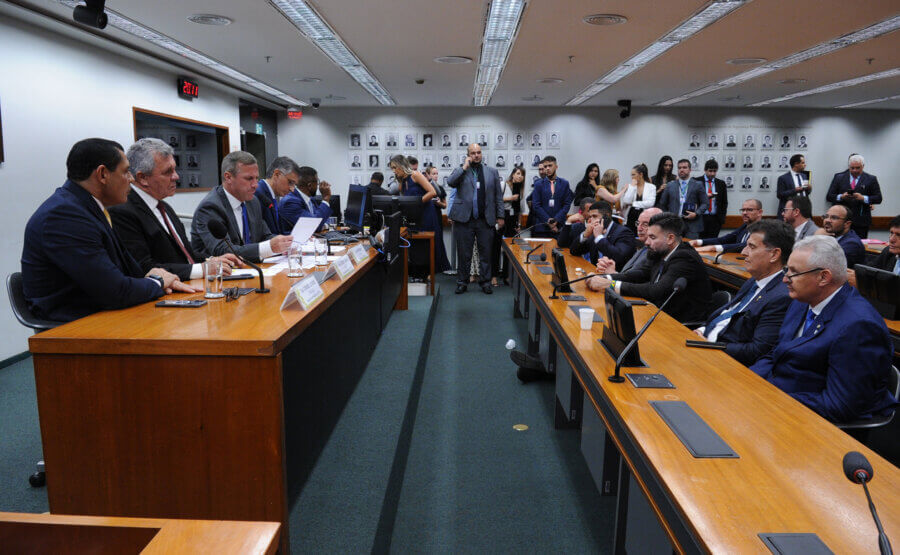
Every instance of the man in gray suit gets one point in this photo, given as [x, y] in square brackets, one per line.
[234, 205]
[797, 213]
[476, 209]
[687, 197]
[608, 266]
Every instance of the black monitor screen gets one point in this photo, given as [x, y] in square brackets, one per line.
[881, 288]
[335, 204]
[358, 203]
[619, 328]
[411, 207]
[560, 274]
[392, 236]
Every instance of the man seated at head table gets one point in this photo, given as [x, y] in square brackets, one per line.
[602, 236]
[797, 213]
[837, 223]
[234, 205]
[147, 225]
[889, 257]
[73, 264]
[302, 201]
[608, 265]
[834, 351]
[751, 212]
[281, 178]
[668, 259]
[574, 223]
[749, 324]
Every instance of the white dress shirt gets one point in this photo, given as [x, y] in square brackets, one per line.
[152, 204]
[265, 249]
[720, 327]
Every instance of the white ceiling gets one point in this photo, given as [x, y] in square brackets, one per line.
[398, 40]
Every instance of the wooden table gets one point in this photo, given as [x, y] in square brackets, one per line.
[788, 477]
[34, 533]
[216, 412]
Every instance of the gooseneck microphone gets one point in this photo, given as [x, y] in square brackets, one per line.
[716, 261]
[528, 256]
[524, 230]
[217, 230]
[858, 470]
[677, 287]
[576, 280]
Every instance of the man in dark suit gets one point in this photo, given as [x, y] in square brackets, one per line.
[602, 236]
[797, 213]
[858, 191]
[608, 265]
[749, 324]
[751, 212]
[834, 351]
[302, 202]
[375, 187]
[686, 197]
[836, 223]
[550, 200]
[889, 258]
[281, 178]
[574, 224]
[669, 259]
[73, 264]
[717, 193]
[794, 182]
[477, 207]
[234, 205]
[147, 225]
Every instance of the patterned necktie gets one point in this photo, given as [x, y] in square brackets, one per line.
[161, 207]
[246, 223]
[853, 184]
[108, 219]
[709, 192]
[810, 318]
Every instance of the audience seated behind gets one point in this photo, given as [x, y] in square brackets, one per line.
[234, 205]
[751, 212]
[281, 178]
[669, 259]
[837, 223]
[834, 351]
[147, 225]
[602, 236]
[574, 224]
[73, 264]
[302, 201]
[749, 324]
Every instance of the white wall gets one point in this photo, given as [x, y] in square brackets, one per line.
[56, 91]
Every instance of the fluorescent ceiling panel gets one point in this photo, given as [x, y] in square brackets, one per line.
[500, 32]
[873, 101]
[833, 86]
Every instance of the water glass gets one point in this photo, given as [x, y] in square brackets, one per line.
[586, 315]
[295, 260]
[212, 277]
[321, 252]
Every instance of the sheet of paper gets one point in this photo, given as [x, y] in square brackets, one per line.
[538, 239]
[338, 249]
[304, 228]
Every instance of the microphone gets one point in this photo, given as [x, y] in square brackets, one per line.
[559, 285]
[677, 287]
[716, 261]
[543, 254]
[524, 230]
[217, 230]
[858, 470]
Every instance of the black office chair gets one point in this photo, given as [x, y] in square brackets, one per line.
[860, 429]
[25, 317]
[718, 300]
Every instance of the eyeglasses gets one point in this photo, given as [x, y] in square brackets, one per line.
[790, 277]
[788, 209]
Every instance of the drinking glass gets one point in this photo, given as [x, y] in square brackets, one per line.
[295, 260]
[212, 277]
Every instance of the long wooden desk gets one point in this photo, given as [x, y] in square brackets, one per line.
[33, 533]
[216, 412]
[788, 477]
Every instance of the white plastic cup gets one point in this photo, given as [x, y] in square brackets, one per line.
[587, 317]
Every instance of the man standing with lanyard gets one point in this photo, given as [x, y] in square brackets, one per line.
[551, 200]
[477, 207]
[718, 200]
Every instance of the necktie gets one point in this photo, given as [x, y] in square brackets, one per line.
[108, 219]
[660, 271]
[161, 207]
[475, 196]
[709, 192]
[737, 306]
[853, 184]
[897, 266]
[552, 188]
[810, 318]
[246, 224]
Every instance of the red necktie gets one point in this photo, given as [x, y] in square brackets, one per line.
[709, 192]
[173, 234]
[853, 184]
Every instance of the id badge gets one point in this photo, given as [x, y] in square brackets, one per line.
[477, 185]
[551, 203]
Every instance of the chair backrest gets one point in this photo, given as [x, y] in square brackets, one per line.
[719, 299]
[894, 382]
[20, 306]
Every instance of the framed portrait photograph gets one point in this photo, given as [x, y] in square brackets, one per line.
[191, 180]
[746, 183]
[463, 138]
[426, 161]
[534, 159]
[374, 139]
[749, 141]
[748, 162]
[192, 161]
[764, 183]
[446, 139]
[177, 158]
[730, 140]
[355, 140]
[427, 140]
[355, 178]
[410, 140]
[728, 162]
[173, 140]
[784, 142]
[694, 142]
[695, 162]
[536, 140]
[553, 140]
[784, 162]
[765, 162]
[518, 160]
[374, 161]
[712, 140]
[484, 139]
[500, 159]
[462, 158]
[485, 159]
[801, 142]
[500, 141]
[518, 140]
[190, 141]
[390, 140]
[446, 162]
[356, 161]
[729, 182]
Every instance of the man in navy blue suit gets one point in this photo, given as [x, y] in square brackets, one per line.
[550, 200]
[837, 223]
[751, 212]
[858, 191]
[73, 264]
[749, 324]
[793, 183]
[281, 178]
[302, 201]
[602, 236]
[834, 351]
[574, 224]
[686, 197]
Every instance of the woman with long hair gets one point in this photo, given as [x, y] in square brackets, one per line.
[663, 175]
[639, 195]
[609, 188]
[413, 184]
[440, 202]
[588, 185]
[513, 190]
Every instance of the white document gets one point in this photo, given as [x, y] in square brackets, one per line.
[304, 228]
[538, 239]
[338, 249]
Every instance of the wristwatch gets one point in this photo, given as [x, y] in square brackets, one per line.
[159, 280]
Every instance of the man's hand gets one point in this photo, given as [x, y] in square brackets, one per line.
[708, 248]
[171, 282]
[598, 283]
[599, 229]
[466, 163]
[690, 216]
[858, 196]
[501, 223]
[606, 265]
[551, 223]
[325, 190]
[577, 217]
[280, 243]
[588, 231]
[228, 261]
[700, 333]
[695, 242]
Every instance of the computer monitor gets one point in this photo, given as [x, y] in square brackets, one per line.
[411, 207]
[881, 288]
[335, 204]
[560, 274]
[392, 224]
[619, 328]
[358, 205]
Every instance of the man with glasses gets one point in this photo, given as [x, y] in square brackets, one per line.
[834, 351]
[749, 324]
[281, 178]
[836, 222]
[797, 213]
[608, 265]
[302, 201]
[751, 212]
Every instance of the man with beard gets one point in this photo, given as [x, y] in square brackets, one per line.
[836, 223]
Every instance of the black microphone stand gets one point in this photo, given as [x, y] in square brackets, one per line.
[262, 281]
[559, 285]
[716, 261]
[527, 256]
[617, 378]
[523, 231]
[883, 544]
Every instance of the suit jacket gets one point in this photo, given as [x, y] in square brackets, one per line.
[540, 202]
[721, 191]
[808, 230]
[146, 239]
[753, 332]
[731, 242]
[639, 257]
[568, 234]
[618, 244]
[269, 206]
[840, 366]
[464, 183]
[74, 265]
[376, 189]
[696, 194]
[692, 304]
[293, 207]
[885, 260]
[215, 205]
[867, 185]
[853, 247]
[786, 188]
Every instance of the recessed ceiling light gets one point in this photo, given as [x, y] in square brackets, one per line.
[746, 61]
[307, 80]
[604, 19]
[550, 80]
[209, 19]
[792, 81]
[532, 98]
[453, 60]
